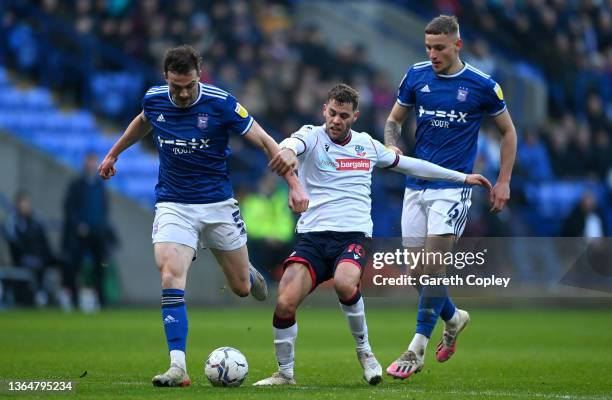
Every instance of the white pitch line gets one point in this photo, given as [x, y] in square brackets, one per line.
[485, 393]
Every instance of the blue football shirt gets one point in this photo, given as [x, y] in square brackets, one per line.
[193, 143]
[449, 111]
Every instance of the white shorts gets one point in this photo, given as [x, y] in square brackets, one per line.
[216, 225]
[434, 212]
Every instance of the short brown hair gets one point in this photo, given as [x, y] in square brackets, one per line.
[443, 25]
[344, 94]
[182, 60]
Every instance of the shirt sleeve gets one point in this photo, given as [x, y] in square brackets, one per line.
[145, 108]
[301, 141]
[422, 169]
[405, 92]
[236, 117]
[494, 99]
[385, 158]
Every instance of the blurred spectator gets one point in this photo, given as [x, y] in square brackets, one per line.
[533, 162]
[87, 230]
[602, 154]
[481, 57]
[23, 43]
[29, 245]
[596, 116]
[270, 223]
[586, 219]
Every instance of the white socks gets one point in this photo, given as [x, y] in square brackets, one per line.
[177, 357]
[451, 324]
[355, 316]
[418, 344]
[284, 342]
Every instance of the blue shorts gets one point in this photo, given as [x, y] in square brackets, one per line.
[321, 252]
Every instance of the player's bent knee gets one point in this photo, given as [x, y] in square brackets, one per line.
[286, 306]
[344, 288]
[169, 279]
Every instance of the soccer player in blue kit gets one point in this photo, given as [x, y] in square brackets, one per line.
[192, 122]
[449, 97]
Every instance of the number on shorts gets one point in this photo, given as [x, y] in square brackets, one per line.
[239, 221]
[453, 212]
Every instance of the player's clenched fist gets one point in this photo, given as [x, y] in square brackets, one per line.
[298, 199]
[283, 162]
[107, 167]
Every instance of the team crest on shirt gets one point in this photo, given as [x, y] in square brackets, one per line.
[360, 150]
[462, 94]
[202, 121]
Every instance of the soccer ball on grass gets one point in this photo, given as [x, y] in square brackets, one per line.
[226, 366]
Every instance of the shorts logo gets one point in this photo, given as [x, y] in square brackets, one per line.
[360, 151]
[357, 251]
[202, 121]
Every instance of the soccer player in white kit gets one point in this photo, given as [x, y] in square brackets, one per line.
[334, 234]
[449, 98]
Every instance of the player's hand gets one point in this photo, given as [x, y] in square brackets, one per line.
[499, 196]
[283, 162]
[107, 167]
[477, 179]
[396, 150]
[298, 199]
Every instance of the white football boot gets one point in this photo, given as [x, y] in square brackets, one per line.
[175, 376]
[259, 289]
[372, 371]
[448, 344]
[276, 379]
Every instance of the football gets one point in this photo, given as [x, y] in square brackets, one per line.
[226, 366]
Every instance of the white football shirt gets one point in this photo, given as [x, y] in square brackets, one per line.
[338, 179]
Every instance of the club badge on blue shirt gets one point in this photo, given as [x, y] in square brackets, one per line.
[202, 121]
[462, 94]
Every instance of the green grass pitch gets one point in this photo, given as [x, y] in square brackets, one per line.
[506, 354]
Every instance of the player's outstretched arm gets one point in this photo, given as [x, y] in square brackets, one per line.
[425, 170]
[136, 130]
[500, 194]
[298, 199]
[393, 127]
